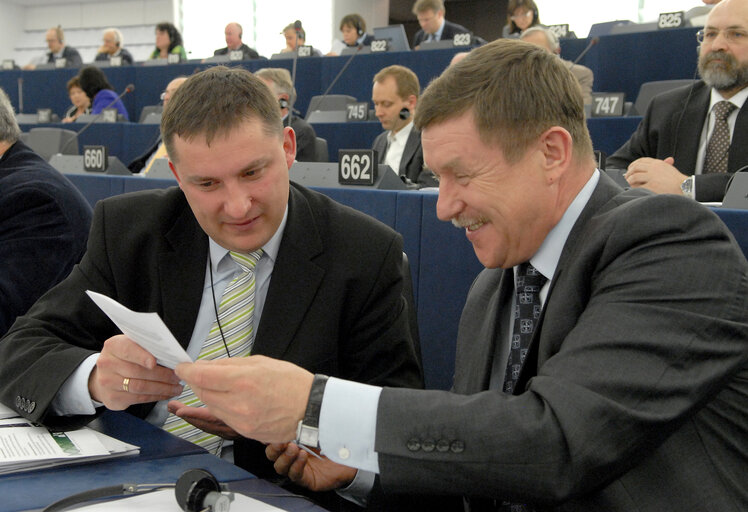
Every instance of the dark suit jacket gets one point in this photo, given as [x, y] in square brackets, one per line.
[634, 392]
[411, 164]
[449, 32]
[44, 223]
[334, 304]
[306, 139]
[123, 52]
[71, 56]
[247, 52]
[662, 133]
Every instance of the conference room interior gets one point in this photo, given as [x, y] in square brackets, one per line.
[440, 257]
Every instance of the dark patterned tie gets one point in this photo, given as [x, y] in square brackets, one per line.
[526, 313]
[719, 143]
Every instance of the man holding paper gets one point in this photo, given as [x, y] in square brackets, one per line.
[307, 280]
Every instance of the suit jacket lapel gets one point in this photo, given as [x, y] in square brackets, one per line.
[689, 128]
[605, 190]
[182, 273]
[294, 275]
[380, 146]
[411, 145]
[738, 156]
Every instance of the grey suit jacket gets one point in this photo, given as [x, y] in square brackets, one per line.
[634, 394]
[334, 304]
[663, 133]
[411, 163]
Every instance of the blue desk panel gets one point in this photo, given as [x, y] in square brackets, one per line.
[443, 264]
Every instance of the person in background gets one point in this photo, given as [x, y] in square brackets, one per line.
[521, 15]
[81, 102]
[55, 38]
[233, 33]
[395, 94]
[544, 38]
[168, 42]
[143, 163]
[44, 222]
[279, 81]
[112, 42]
[694, 138]
[94, 83]
[295, 36]
[434, 27]
[353, 32]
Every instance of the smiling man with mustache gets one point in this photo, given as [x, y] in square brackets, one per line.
[669, 152]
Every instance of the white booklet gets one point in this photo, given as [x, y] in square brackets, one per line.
[145, 329]
[25, 446]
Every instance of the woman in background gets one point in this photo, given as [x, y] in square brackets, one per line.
[168, 41]
[94, 83]
[81, 102]
[521, 15]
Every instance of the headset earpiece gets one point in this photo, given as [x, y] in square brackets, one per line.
[404, 114]
[358, 29]
[283, 103]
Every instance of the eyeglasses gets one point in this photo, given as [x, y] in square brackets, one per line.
[518, 17]
[731, 35]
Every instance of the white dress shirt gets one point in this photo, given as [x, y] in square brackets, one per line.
[396, 145]
[738, 100]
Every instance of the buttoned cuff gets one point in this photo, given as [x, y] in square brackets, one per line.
[358, 490]
[348, 424]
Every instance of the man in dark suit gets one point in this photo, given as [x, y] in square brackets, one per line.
[233, 33]
[328, 286]
[669, 152]
[279, 81]
[44, 222]
[395, 95]
[434, 27]
[601, 356]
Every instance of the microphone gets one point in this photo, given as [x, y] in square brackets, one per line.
[129, 88]
[335, 80]
[592, 43]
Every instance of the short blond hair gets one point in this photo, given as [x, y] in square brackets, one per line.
[406, 80]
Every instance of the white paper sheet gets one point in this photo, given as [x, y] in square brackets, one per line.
[145, 329]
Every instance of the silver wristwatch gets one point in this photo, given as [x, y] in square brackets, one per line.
[687, 187]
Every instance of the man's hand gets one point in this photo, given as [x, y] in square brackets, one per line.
[120, 359]
[659, 176]
[202, 418]
[259, 397]
[307, 470]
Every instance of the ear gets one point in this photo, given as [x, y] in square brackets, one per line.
[289, 145]
[556, 147]
[411, 101]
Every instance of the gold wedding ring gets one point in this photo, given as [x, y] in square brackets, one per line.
[126, 384]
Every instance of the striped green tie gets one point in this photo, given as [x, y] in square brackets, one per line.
[235, 315]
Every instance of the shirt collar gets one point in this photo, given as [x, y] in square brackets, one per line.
[738, 99]
[219, 254]
[438, 33]
[546, 259]
[404, 132]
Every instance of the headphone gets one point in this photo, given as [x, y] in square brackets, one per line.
[283, 102]
[196, 490]
[358, 28]
[404, 114]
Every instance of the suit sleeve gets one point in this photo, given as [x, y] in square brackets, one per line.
[649, 338]
[641, 144]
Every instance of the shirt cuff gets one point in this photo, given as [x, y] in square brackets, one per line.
[348, 424]
[358, 490]
[73, 397]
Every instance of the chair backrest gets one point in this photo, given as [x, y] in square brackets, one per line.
[329, 102]
[149, 109]
[320, 150]
[51, 141]
[649, 90]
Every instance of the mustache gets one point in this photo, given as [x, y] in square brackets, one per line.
[727, 58]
